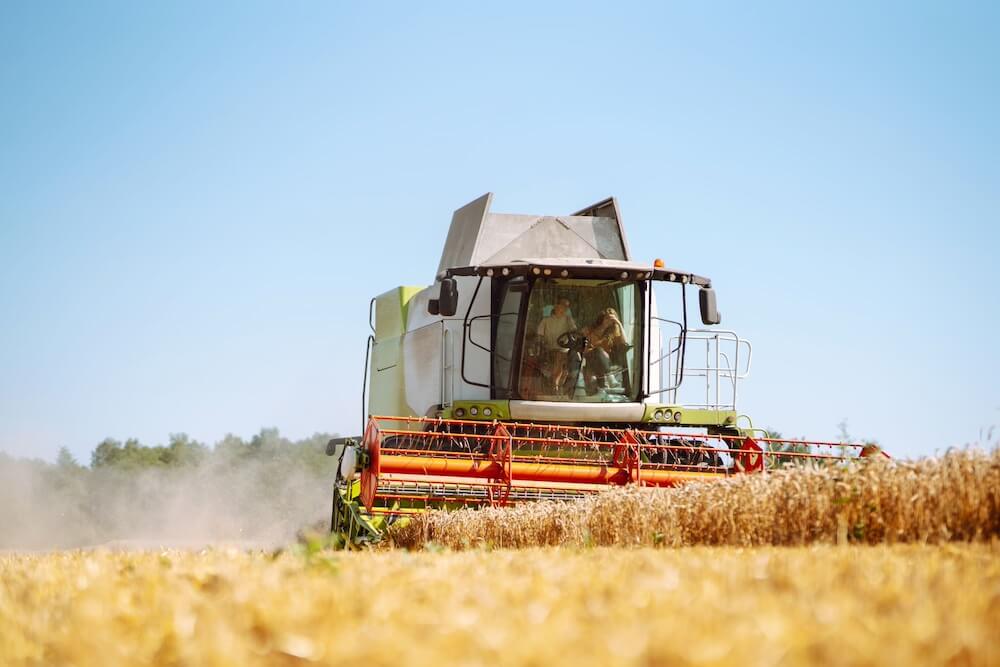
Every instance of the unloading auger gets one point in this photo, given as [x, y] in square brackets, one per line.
[543, 364]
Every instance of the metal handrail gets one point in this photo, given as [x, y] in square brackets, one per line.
[723, 369]
[447, 366]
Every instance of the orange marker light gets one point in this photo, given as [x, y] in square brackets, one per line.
[657, 263]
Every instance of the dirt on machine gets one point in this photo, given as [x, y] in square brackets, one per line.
[547, 362]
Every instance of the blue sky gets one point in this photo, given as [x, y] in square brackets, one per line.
[197, 201]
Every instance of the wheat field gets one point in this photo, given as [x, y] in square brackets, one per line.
[881, 564]
[906, 604]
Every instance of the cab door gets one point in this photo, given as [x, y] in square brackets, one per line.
[507, 336]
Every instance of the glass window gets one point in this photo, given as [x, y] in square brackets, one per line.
[581, 341]
[506, 339]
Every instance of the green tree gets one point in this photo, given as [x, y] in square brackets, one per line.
[182, 450]
[66, 461]
[785, 447]
[106, 453]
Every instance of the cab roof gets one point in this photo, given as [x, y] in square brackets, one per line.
[579, 268]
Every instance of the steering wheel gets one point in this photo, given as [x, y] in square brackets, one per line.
[574, 340]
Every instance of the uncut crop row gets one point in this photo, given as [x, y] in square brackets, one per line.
[952, 498]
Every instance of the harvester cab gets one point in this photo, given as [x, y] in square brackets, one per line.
[544, 362]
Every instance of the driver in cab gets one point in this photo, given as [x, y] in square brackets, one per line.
[558, 322]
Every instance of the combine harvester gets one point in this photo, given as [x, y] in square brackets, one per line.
[545, 363]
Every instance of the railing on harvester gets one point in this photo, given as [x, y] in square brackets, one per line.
[702, 369]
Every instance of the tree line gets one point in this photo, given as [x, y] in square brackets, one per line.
[261, 489]
[183, 451]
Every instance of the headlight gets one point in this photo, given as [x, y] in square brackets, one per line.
[658, 415]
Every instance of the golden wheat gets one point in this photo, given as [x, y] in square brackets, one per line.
[952, 498]
[835, 605]
[907, 604]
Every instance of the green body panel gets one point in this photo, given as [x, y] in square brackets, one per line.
[407, 292]
[498, 409]
[391, 310]
[689, 416]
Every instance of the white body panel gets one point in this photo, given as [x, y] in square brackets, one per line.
[422, 354]
[432, 350]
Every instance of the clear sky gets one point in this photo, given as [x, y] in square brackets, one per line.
[197, 200]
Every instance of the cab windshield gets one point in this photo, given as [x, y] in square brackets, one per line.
[580, 341]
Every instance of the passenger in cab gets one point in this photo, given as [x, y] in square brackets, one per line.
[550, 328]
[605, 345]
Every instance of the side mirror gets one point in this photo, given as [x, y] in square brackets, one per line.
[335, 444]
[432, 307]
[448, 299]
[709, 313]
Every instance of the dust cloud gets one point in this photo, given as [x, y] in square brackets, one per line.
[251, 502]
